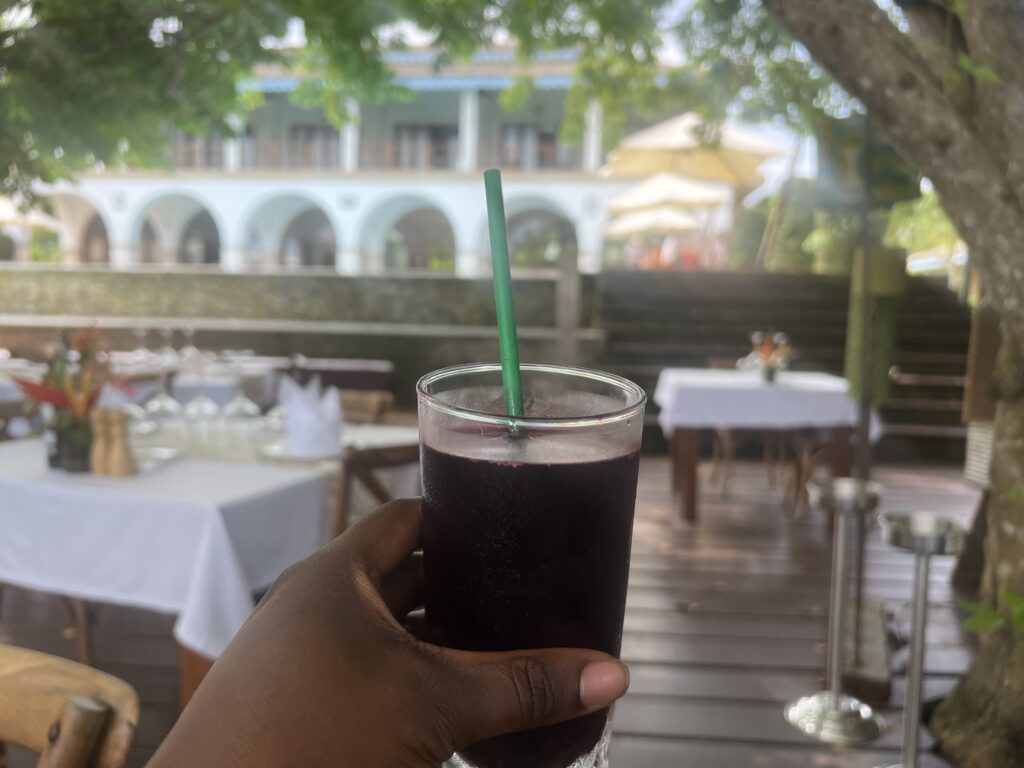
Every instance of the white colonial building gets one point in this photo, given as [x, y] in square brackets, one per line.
[397, 188]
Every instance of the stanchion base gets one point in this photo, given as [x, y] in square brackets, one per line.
[834, 719]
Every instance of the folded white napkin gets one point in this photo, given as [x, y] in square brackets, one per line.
[313, 420]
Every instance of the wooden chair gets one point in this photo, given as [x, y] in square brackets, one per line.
[366, 406]
[359, 465]
[73, 716]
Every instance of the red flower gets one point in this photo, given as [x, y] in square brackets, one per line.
[43, 393]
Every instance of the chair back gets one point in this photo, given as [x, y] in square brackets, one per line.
[360, 465]
[366, 406]
[71, 714]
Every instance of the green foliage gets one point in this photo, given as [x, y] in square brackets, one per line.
[748, 230]
[983, 618]
[1015, 605]
[741, 61]
[44, 247]
[101, 82]
[921, 225]
[832, 242]
[787, 252]
[976, 70]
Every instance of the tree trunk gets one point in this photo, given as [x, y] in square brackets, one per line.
[981, 723]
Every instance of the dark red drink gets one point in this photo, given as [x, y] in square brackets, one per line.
[525, 555]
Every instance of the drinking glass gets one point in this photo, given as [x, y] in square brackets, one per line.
[527, 524]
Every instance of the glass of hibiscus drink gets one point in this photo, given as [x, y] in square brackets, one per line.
[527, 524]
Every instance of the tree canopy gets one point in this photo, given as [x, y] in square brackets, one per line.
[101, 82]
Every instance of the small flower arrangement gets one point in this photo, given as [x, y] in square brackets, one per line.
[771, 351]
[75, 375]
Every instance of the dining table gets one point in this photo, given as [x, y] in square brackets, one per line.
[695, 399]
[198, 532]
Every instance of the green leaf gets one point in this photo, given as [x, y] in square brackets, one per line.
[975, 69]
[986, 619]
[1015, 602]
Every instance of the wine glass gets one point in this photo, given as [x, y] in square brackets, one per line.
[168, 354]
[190, 350]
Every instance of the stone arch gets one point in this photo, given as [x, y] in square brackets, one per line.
[85, 238]
[409, 232]
[185, 228]
[540, 232]
[293, 229]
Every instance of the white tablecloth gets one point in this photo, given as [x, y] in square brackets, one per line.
[702, 398]
[194, 537]
[9, 392]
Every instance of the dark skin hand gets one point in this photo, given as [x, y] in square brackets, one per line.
[325, 673]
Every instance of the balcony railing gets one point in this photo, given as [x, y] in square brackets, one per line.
[197, 153]
[317, 154]
[324, 154]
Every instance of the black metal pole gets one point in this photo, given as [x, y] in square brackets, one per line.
[862, 467]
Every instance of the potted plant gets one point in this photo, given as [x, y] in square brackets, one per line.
[75, 375]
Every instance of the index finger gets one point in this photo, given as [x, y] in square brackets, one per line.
[387, 538]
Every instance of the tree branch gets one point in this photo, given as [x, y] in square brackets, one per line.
[940, 38]
[994, 30]
[877, 63]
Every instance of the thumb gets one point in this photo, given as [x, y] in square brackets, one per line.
[497, 693]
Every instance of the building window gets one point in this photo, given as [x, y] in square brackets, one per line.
[197, 151]
[530, 147]
[313, 147]
[425, 146]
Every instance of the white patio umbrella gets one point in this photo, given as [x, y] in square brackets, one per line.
[669, 189]
[33, 218]
[664, 220]
[674, 146]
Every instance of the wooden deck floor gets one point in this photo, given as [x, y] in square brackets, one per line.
[725, 622]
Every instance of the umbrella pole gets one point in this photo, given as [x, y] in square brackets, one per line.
[863, 458]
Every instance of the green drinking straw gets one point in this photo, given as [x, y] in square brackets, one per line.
[508, 342]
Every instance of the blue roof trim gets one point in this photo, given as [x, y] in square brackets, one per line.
[423, 83]
[270, 84]
[481, 83]
[485, 56]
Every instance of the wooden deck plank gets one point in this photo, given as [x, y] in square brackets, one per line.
[725, 622]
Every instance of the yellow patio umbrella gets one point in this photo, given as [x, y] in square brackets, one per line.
[665, 220]
[669, 189]
[674, 146]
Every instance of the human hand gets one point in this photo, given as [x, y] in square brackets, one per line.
[325, 673]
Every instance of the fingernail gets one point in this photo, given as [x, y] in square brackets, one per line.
[602, 682]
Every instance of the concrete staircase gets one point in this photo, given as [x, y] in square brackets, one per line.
[653, 320]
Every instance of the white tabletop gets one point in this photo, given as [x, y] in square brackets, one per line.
[194, 537]
[703, 398]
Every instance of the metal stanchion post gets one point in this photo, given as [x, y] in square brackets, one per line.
[924, 534]
[830, 715]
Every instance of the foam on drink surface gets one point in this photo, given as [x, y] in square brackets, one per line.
[553, 445]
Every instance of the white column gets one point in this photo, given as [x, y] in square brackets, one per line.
[590, 242]
[348, 259]
[122, 255]
[22, 237]
[469, 131]
[467, 264]
[593, 138]
[232, 155]
[350, 138]
[232, 258]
